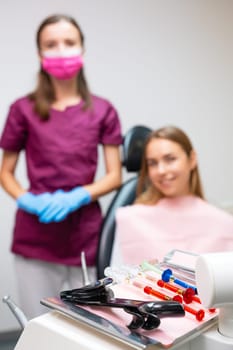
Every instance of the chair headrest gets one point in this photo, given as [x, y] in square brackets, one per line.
[133, 145]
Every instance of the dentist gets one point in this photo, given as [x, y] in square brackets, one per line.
[59, 126]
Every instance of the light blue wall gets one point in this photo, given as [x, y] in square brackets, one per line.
[159, 62]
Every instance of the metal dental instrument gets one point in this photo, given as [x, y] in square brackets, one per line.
[84, 269]
[18, 313]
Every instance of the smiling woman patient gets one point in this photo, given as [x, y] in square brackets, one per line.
[170, 211]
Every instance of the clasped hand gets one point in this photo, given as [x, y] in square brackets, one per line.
[54, 207]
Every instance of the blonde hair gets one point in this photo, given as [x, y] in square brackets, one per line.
[146, 192]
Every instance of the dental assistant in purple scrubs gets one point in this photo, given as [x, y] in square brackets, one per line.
[59, 126]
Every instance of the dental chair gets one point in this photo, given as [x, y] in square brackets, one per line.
[59, 329]
[132, 150]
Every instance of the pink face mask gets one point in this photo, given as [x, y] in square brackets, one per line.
[63, 65]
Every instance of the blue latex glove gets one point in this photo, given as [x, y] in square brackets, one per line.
[34, 203]
[64, 203]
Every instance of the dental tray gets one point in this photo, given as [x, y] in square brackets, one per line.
[113, 321]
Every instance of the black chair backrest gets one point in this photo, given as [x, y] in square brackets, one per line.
[133, 145]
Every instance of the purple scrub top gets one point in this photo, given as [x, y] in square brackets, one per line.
[61, 153]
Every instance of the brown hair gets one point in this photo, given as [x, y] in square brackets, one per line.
[43, 95]
[146, 192]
